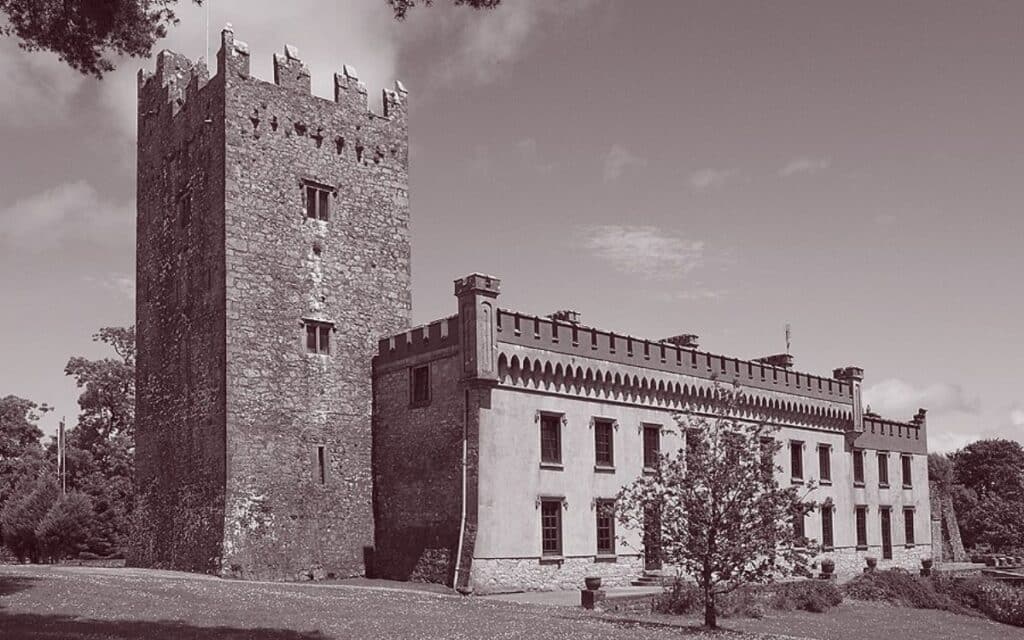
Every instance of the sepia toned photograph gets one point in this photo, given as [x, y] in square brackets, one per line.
[540, 319]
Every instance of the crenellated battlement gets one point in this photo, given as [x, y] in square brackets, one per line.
[419, 340]
[180, 77]
[564, 337]
[883, 434]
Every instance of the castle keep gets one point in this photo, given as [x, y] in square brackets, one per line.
[273, 252]
[291, 425]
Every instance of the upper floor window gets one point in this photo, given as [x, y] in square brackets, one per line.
[652, 445]
[318, 336]
[908, 480]
[825, 463]
[883, 469]
[318, 201]
[796, 460]
[858, 467]
[604, 450]
[419, 385]
[551, 438]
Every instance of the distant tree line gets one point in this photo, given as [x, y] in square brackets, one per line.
[37, 522]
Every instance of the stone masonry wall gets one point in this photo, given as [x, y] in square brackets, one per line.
[530, 574]
[352, 270]
[179, 430]
[417, 455]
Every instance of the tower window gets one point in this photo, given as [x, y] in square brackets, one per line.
[419, 385]
[318, 336]
[861, 516]
[826, 527]
[318, 202]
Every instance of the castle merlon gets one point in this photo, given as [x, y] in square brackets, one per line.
[174, 72]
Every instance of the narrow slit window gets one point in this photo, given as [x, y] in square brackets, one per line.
[905, 462]
[908, 527]
[652, 445]
[321, 464]
[883, 470]
[796, 460]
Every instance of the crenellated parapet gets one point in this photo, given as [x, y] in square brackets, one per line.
[573, 339]
[883, 434]
[418, 341]
[351, 130]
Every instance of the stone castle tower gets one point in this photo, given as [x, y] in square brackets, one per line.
[273, 252]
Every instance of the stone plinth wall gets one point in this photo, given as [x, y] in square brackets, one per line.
[530, 574]
[851, 562]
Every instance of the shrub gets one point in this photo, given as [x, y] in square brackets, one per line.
[1001, 602]
[681, 598]
[64, 530]
[23, 513]
[817, 596]
[897, 587]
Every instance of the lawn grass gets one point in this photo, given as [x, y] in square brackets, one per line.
[80, 603]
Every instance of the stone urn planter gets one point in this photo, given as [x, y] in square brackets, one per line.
[828, 568]
[926, 566]
[872, 563]
[593, 582]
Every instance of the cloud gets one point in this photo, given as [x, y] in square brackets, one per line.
[528, 151]
[118, 283]
[804, 165]
[480, 44]
[700, 294]
[644, 250]
[617, 160]
[704, 179]
[896, 399]
[38, 88]
[68, 215]
[1017, 417]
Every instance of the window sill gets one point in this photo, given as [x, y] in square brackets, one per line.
[908, 546]
[824, 549]
[552, 466]
[883, 486]
[650, 471]
[604, 468]
[858, 484]
[908, 486]
[419, 405]
[796, 480]
[551, 560]
[606, 557]
[861, 547]
[825, 483]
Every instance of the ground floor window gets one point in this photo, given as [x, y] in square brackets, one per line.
[827, 541]
[908, 526]
[551, 526]
[605, 527]
[862, 527]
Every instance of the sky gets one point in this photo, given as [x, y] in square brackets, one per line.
[663, 167]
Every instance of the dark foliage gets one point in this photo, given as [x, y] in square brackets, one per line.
[752, 601]
[87, 33]
[65, 529]
[402, 7]
[22, 515]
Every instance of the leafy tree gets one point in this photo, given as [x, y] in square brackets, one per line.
[724, 519]
[991, 466]
[87, 33]
[100, 448]
[21, 454]
[988, 493]
[65, 529]
[402, 7]
[23, 513]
